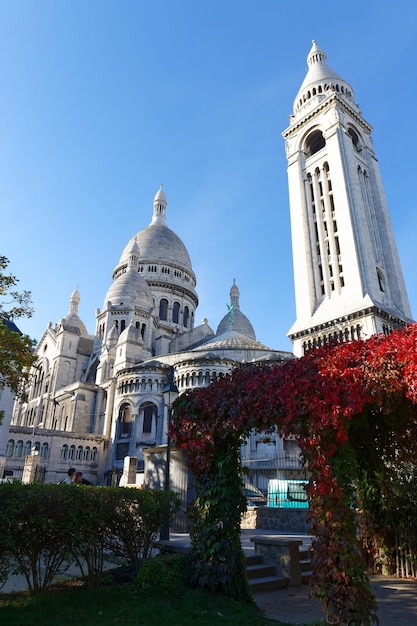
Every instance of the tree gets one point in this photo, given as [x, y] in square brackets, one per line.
[16, 349]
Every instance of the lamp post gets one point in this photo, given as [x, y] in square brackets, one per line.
[170, 394]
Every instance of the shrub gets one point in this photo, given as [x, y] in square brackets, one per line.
[46, 528]
[91, 515]
[165, 572]
[35, 540]
[137, 520]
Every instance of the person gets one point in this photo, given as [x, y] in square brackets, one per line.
[79, 480]
[71, 476]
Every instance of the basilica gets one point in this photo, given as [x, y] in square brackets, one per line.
[97, 400]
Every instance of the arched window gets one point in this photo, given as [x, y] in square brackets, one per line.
[186, 316]
[19, 448]
[176, 313]
[124, 420]
[87, 453]
[354, 137]
[64, 452]
[163, 309]
[27, 447]
[36, 447]
[94, 455]
[71, 453]
[314, 142]
[148, 411]
[79, 455]
[122, 325]
[10, 447]
[44, 450]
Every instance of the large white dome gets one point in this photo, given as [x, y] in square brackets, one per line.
[157, 243]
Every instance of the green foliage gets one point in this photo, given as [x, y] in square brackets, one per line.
[19, 303]
[217, 559]
[34, 540]
[163, 573]
[91, 517]
[136, 522]
[46, 528]
[16, 350]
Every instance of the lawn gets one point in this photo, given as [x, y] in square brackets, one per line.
[127, 606]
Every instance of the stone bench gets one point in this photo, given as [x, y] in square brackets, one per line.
[283, 554]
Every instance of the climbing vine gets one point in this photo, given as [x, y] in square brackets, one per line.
[346, 405]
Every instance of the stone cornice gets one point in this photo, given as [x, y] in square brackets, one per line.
[338, 322]
[320, 109]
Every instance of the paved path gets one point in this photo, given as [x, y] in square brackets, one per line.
[396, 597]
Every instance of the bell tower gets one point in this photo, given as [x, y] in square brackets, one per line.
[347, 273]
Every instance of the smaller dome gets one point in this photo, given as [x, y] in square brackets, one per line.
[232, 340]
[235, 319]
[130, 289]
[239, 324]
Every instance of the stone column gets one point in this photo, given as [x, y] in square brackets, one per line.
[29, 471]
[130, 465]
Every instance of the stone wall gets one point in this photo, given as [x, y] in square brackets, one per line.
[278, 519]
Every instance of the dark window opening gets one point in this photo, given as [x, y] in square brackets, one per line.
[163, 309]
[186, 316]
[176, 313]
[315, 142]
[147, 419]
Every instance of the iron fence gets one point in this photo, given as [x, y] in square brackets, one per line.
[14, 473]
[259, 472]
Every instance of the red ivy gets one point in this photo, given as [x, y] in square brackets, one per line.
[314, 397]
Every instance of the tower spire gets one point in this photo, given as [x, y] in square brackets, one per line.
[159, 206]
[74, 302]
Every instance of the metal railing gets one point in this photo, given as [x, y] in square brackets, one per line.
[259, 472]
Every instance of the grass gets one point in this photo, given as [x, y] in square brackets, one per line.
[127, 606]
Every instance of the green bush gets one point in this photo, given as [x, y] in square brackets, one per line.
[165, 572]
[46, 528]
[92, 514]
[35, 539]
[137, 520]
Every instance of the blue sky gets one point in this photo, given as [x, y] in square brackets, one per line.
[101, 100]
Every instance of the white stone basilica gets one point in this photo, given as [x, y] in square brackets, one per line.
[96, 400]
